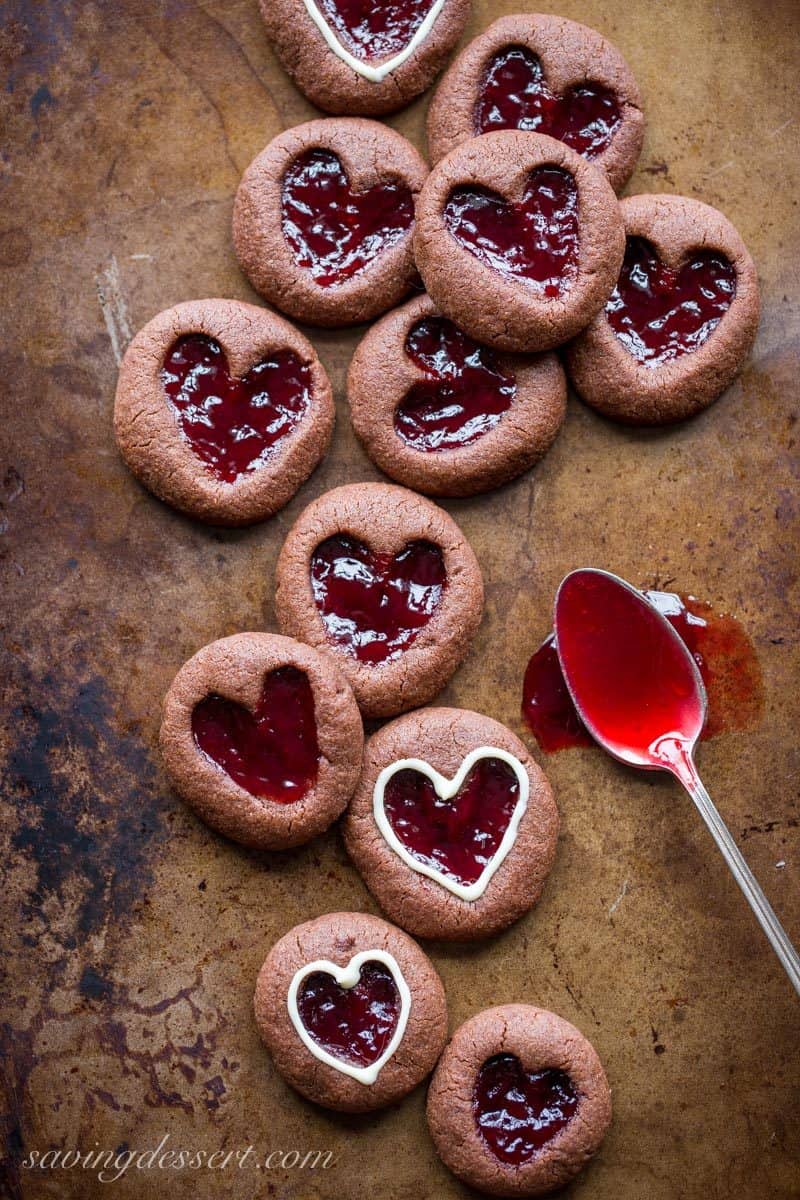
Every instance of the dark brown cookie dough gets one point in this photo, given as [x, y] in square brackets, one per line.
[292, 695]
[616, 380]
[337, 938]
[504, 309]
[414, 563]
[333, 83]
[443, 738]
[572, 58]
[414, 368]
[347, 268]
[539, 1041]
[179, 458]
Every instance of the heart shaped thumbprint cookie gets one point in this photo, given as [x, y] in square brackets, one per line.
[222, 410]
[387, 583]
[263, 738]
[453, 826]
[324, 217]
[351, 1010]
[363, 56]
[518, 240]
[680, 322]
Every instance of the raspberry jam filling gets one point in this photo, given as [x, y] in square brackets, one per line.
[660, 314]
[373, 605]
[233, 425]
[333, 231]
[460, 836]
[272, 753]
[517, 1112]
[466, 392]
[535, 241]
[719, 645]
[355, 1024]
[516, 96]
[375, 29]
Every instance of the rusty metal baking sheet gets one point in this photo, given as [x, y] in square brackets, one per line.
[132, 934]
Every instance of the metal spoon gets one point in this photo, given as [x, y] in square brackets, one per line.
[639, 693]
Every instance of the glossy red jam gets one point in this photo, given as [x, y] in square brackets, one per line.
[660, 314]
[466, 392]
[272, 753]
[722, 650]
[355, 1024]
[233, 425]
[333, 231]
[375, 29]
[515, 96]
[374, 605]
[457, 837]
[518, 1112]
[535, 241]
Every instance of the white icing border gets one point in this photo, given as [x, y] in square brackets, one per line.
[348, 977]
[373, 74]
[446, 789]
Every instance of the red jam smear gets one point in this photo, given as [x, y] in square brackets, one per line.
[518, 1112]
[719, 645]
[457, 837]
[273, 752]
[375, 29]
[660, 314]
[515, 96]
[355, 1024]
[333, 231]
[535, 241]
[233, 425]
[466, 392]
[373, 605]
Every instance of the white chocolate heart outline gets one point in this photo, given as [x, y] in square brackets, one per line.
[373, 74]
[446, 789]
[348, 977]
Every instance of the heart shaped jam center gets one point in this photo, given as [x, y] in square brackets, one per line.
[457, 837]
[272, 752]
[335, 232]
[660, 314]
[355, 1024]
[375, 29]
[464, 396]
[517, 1112]
[374, 605]
[534, 241]
[515, 95]
[233, 425]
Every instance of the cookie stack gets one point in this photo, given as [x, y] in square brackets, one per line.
[223, 410]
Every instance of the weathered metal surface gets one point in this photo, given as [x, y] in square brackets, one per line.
[133, 934]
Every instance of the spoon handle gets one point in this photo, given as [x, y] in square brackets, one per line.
[778, 937]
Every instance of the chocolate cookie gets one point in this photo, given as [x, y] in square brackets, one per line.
[388, 583]
[222, 410]
[543, 74]
[519, 1102]
[352, 1012]
[453, 826]
[680, 322]
[263, 738]
[323, 220]
[443, 414]
[363, 56]
[519, 240]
